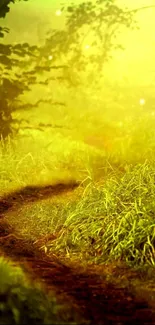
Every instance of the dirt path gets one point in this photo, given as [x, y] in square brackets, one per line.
[100, 302]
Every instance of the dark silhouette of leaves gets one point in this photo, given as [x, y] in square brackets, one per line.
[23, 65]
[4, 6]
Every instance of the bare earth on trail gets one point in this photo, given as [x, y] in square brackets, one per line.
[99, 300]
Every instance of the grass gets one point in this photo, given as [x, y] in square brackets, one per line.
[109, 219]
[41, 162]
[114, 221]
[114, 218]
[23, 302]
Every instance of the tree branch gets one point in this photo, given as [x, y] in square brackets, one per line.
[141, 8]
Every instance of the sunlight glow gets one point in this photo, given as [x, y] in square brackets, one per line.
[50, 57]
[58, 12]
[142, 101]
[87, 47]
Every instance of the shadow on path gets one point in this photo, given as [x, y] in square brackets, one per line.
[34, 194]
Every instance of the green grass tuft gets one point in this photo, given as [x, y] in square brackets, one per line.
[23, 302]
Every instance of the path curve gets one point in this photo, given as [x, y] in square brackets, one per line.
[99, 301]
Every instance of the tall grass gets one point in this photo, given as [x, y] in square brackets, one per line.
[114, 219]
[60, 159]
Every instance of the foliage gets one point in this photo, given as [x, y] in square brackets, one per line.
[111, 218]
[89, 39]
[13, 82]
[75, 56]
[20, 68]
[23, 65]
[114, 221]
[23, 302]
[4, 9]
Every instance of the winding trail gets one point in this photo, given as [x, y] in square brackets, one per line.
[98, 300]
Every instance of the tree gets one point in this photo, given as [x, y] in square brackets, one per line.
[12, 84]
[89, 39]
[20, 68]
[77, 53]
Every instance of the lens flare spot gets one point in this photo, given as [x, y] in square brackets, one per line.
[87, 46]
[142, 101]
[58, 12]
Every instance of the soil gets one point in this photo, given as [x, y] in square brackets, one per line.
[99, 300]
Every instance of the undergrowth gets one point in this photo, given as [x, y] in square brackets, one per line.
[114, 219]
[24, 302]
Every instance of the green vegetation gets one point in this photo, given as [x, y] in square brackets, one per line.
[94, 134]
[114, 217]
[113, 221]
[22, 302]
[63, 59]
